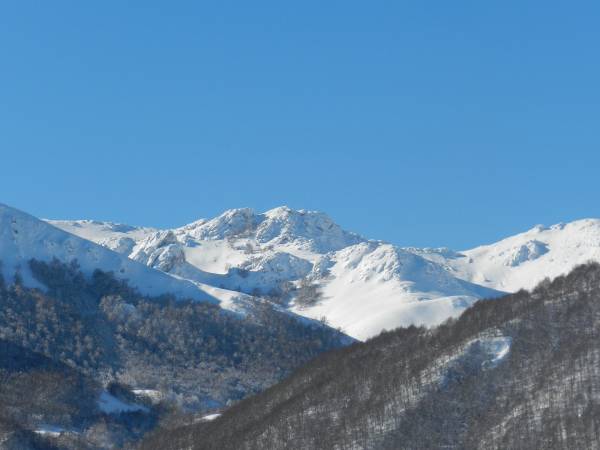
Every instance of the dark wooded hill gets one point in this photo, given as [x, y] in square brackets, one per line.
[89, 362]
[519, 372]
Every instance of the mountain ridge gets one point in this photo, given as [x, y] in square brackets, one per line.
[523, 260]
[360, 285]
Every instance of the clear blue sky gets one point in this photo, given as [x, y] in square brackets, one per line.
[421, 123]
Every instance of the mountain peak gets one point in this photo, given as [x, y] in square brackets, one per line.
[281, 211]
[310, 230]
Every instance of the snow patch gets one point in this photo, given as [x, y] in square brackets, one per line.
[152, 394]
[50, 430]
[209, 417]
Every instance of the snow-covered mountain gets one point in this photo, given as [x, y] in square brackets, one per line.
[98, 355]
[24, 237]
[301, 259]
[523, 260]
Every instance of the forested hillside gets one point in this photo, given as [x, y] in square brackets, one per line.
[90, 362]
[519, 372]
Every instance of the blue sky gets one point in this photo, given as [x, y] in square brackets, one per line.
[421, 123]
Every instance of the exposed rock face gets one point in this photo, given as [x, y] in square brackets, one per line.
[161, 250]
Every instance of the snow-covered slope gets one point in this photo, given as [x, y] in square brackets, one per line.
[362, 286]
[23, 237]
[118, 237]
[373, 286]
[523, 260]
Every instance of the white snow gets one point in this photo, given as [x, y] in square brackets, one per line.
[209, 417]
[374, 286]
[523, 260]
[50, 430]
[154, 395]
[214, 256]
[116, 236]
[110, 404]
